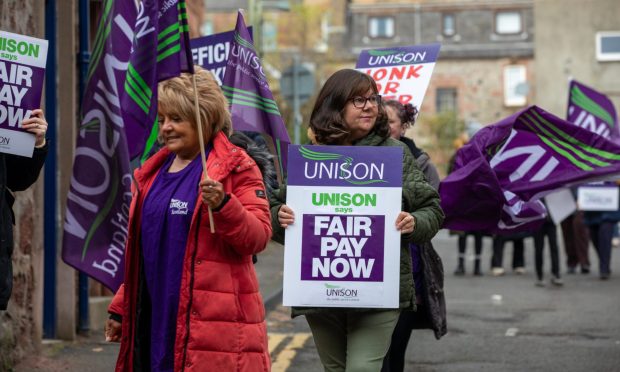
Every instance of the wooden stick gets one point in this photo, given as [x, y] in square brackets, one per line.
[202, 147]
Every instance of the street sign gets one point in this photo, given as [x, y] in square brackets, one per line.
[302, 86]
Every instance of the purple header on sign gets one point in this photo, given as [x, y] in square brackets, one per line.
[342, 248]
[348, 166]
[20, 93]
[397, 56]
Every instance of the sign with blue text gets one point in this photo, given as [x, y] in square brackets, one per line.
[22, 69]
[401, 73]
[343, 249]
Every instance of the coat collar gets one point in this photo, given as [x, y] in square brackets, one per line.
[223, 159]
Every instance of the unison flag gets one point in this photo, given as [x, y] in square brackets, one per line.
[160, 51]
[95, 227]
[502, 173]
[592, 110]
[245, 85]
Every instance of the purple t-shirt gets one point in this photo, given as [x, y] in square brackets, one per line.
[166, 218]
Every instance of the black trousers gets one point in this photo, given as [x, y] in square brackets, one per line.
[549, 230]
[518, 259]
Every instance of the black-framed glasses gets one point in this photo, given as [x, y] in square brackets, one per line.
[360, 102]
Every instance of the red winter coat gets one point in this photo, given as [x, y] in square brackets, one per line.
[221, 317]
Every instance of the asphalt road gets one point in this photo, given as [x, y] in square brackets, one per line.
[494, 324]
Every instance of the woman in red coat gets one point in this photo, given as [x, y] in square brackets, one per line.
[190, 300]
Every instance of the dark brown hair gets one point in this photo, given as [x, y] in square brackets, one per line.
[407, 113]
[327, 118]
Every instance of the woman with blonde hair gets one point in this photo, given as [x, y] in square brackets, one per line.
[190, 299]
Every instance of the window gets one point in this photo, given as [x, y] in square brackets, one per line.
[515, 85]
[446, 99]
[608, 46]
[508, 23]
[381, 27]
[207, 28]
[270, 36]
[449, 25]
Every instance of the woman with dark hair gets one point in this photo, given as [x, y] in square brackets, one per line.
[348, 112]
[190, 298]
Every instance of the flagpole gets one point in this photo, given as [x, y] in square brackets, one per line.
[201, 140]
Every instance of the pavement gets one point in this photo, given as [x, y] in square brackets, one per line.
[91, 353]
[494, 323]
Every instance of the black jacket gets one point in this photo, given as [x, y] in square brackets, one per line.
[17, 173]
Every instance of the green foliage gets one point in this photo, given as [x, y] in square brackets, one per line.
[439, 133]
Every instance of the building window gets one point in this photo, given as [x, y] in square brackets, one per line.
[515, 86]
[608, 46]
[508, 23]
[446, 99]
[270, 36]
[381, 27]
[449, 25]
[207, 28]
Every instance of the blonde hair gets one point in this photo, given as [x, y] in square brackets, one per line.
[176, 96]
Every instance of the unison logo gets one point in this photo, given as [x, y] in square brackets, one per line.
[394, 57]
[325, 166]
[337, 291]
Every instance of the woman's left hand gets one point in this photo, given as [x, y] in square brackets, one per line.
[37, 125]
[405, 222]
[212, 193]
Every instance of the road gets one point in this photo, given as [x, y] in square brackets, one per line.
[494, 324]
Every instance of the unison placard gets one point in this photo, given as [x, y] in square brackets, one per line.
[343, 249]
[22, 69]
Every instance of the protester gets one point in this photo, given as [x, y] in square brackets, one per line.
[427, 266]
[576, 242]
[549, 230]
[462, 235]
[518, 258]
[190, 298]
[601, 225]
[17, 173]
[348, 112]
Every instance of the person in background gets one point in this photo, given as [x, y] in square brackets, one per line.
[518, 253]
[348, 112]
[17, 173]
[190, 298]
[601, 225]
[462, 235]
[427, 266]
[576, 242]
[549, 230]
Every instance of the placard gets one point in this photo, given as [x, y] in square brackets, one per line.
[343, 249]
[22, 70]
[597, 198]
[401, 73]
[560, 204]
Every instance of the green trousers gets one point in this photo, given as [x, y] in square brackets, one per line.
[353, 341]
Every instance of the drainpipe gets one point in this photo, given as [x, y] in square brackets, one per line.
[84, 59]
[50, 193]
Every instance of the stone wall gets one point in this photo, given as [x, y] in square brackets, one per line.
[20, 325]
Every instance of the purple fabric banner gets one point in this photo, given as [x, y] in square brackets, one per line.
[502, 173]
[251, 102]
[211, 52]
[592, 110]
[96, 220]
[160, 51]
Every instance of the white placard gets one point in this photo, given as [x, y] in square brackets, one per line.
[597, 198]
[560, 204]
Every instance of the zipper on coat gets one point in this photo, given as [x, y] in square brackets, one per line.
[191, 292]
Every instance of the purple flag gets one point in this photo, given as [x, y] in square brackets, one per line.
[251, 102]
[592, 110]
[95, 227]
[160, 51]
[507, 167]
